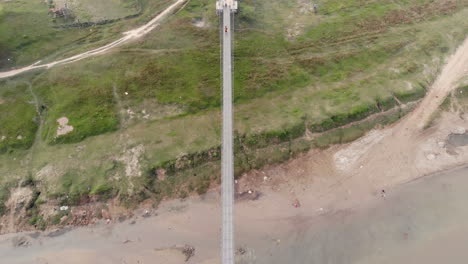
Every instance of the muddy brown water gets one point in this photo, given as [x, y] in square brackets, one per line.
[423, 221]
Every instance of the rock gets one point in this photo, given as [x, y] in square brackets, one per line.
[105, 214]
[248, 195]
[459, 130]
[146, 213]
[161, 174]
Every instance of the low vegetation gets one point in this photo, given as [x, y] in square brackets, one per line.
[18, 118]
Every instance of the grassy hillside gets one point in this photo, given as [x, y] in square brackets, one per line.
[29, 33]
[149, 110]
[19, 117]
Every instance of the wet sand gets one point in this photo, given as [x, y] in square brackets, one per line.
[423, 221]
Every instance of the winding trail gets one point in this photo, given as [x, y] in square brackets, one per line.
[128, 36]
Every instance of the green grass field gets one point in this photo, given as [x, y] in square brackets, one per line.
[18, 117]
[154, 103]
[29, 34]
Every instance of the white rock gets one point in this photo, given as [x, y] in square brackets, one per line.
[459, 130]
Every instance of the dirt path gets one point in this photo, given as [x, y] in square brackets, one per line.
[128, 36]
[393, 152]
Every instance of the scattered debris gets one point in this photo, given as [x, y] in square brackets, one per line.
[240, 251]
[296, 203]
[81, 218]
[405, 235]
[20, 241]
[383, 193]
[187, 250]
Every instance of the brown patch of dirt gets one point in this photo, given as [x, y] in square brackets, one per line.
[131, 159]
[19, 198]
[412, 15]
